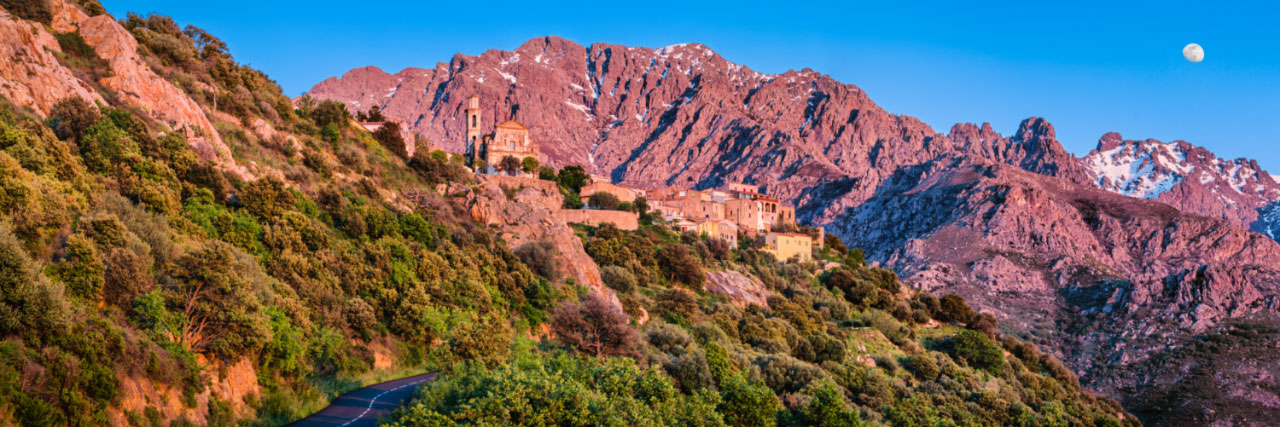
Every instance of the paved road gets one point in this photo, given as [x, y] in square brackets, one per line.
[363, 407]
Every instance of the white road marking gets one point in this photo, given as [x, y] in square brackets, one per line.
[375, 400]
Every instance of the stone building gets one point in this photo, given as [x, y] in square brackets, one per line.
[785, 246]
[509, 138]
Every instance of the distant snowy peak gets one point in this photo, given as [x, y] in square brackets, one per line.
[1144, 169]
[1183, 175]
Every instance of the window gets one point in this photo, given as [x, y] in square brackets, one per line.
[473, 120]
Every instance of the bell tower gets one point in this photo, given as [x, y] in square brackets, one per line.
[474, 138]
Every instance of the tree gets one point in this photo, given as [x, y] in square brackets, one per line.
[509, 165]
[573, 178]
[979, 351]
[29, 303]
[373, 115]
[748, 403]
[540, 256]
[952, 308]
[834, 243]
[127, 276]
[641, 205]
[529, 165]
[546, 173]
[603, 200]
[330, 112]
[827, 408]
[389, 135]
[681, 265]
[266, 198]
[71, 116]
[216, 302]
[596, 327]
[619, 278]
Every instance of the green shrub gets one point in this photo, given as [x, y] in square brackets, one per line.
[266, 198]
[690, 371]
[952, 308]
[748, 403]
[979, 351]
[29, 303]
[71, 116]
[329, 112]
[923, 366]
[827, 408]
[541, 257]
[602, 200]
[618, 278]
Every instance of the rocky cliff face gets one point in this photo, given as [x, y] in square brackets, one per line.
[528, 215]
[1184, 176]
[35, 79]
[31, 75]
[1033, 147]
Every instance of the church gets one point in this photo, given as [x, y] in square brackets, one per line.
[509, 138]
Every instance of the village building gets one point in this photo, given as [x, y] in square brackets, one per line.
[720, 228]
[509, 139]
[785, 246]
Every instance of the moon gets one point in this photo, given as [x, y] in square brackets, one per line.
[1193, 52]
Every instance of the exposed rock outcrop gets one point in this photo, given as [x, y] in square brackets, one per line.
[30, 75]
[230, 384]
[529, 215]
[740, 289]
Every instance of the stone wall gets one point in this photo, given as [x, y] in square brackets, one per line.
[624, 220]
[518, 182]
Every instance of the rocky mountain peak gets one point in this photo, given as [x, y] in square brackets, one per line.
[1033, 147]
[966, 134]
[1037, 130]
[1109, 140]
[1183, 175]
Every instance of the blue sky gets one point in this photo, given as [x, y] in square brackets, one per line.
[1090, 67]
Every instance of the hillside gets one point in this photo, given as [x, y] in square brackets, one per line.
[180, 244]
[1015, 223]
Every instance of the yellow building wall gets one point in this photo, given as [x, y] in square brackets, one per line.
[783, 246]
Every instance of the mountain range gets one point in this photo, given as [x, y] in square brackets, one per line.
[1122, 261]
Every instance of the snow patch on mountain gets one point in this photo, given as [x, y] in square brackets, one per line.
[1145, 172]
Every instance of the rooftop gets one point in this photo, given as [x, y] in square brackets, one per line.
[512, 124]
